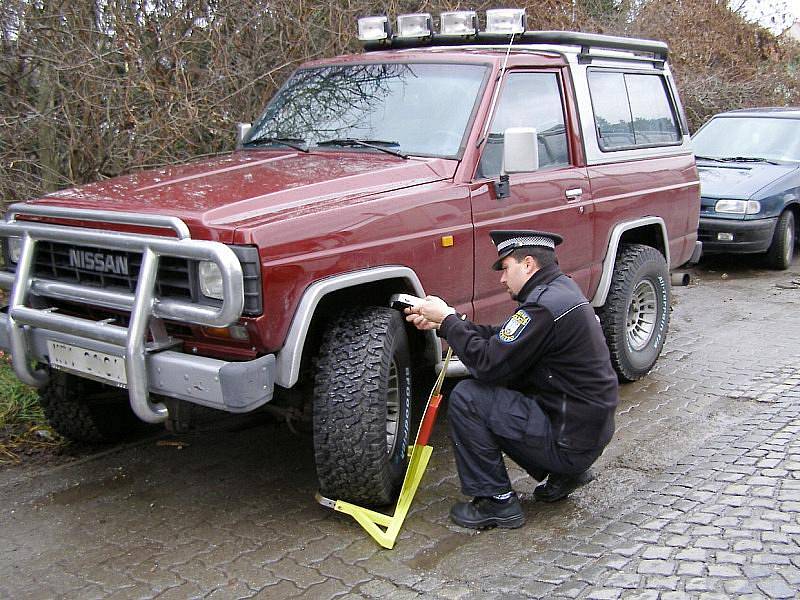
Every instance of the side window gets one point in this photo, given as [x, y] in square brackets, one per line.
[612, 112]
[653, 117]
[632, 110]
[528, 100]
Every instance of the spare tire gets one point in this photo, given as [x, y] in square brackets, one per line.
[362, 406]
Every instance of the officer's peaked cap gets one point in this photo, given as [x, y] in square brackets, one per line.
[508, 241]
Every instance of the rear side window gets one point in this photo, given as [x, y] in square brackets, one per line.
[528, 100]
[632, 110]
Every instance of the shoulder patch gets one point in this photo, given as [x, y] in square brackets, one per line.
[514, 326]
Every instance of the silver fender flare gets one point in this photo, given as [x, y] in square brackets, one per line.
[288, 360]
[599, 297]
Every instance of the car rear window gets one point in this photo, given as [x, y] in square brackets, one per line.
[632, 110]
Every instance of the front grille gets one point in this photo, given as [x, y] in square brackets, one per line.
[177, 277]
[52, 261]
[114, 317]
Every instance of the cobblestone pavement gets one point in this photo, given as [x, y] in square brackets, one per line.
[722, 523]
[698, 495]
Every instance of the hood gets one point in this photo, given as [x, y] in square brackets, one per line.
[741, 181]
[228, 191]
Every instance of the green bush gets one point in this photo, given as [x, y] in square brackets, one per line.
[23, 427]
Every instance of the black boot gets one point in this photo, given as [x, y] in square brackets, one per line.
[560, 486]
[483, 513]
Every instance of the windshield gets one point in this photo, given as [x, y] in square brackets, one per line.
[749, 137]
[420, 109]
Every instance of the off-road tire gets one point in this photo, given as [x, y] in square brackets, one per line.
[86, 411]
[363, 357]
[781, 250]
[635, 317]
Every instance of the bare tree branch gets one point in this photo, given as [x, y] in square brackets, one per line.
[94, 88]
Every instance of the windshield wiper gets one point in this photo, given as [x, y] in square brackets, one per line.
[296, 143]
[376, 144]
[748, 159]
[714, 158]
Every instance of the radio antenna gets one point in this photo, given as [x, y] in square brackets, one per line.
[500, 77]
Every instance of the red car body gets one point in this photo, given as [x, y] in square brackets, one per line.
[330, 211]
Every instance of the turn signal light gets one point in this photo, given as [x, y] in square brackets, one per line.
[234, 332]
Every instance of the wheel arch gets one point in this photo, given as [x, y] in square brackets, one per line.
[323, 297]
[781, 249]
[795, 208]
[651, 231]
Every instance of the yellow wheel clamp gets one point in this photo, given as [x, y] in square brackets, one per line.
[420, 454]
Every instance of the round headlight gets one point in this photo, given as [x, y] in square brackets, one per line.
[210, 280]
[14, 249]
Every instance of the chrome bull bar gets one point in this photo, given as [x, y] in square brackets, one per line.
[142, 304]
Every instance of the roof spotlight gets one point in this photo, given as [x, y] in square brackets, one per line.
[417, 25]
[459, 22]
[505, 20]
[372, 29]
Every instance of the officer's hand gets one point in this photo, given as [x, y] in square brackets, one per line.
[432, 311]
[421, 322]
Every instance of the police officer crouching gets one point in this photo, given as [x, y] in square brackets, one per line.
[543, 388]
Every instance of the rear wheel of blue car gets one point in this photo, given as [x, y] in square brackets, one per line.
[781, 251]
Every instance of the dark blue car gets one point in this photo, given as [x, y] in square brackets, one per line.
[749, 164]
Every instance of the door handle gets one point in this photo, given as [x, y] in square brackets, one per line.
[573, 194]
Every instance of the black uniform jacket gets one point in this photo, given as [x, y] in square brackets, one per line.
[552, 349]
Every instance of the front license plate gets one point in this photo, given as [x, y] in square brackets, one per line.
[87, 362]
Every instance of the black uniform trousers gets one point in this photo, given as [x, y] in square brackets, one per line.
[487, 420]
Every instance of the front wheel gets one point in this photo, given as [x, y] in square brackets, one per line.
[781, 250]
[86, 411]
[362, 406]
[635, 317]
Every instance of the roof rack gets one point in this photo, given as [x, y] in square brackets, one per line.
[587, 41]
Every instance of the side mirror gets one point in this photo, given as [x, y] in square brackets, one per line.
[520, 150]
[242, 129]
[520, 155]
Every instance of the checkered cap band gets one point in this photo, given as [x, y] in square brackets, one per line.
[520, 242]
